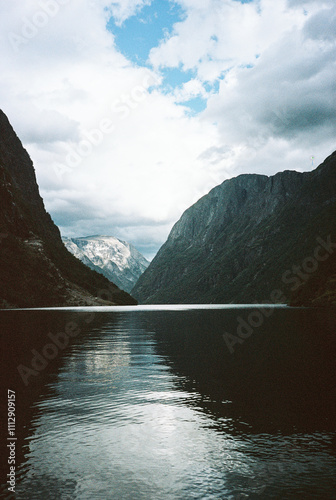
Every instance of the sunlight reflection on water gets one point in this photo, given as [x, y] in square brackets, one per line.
[119, 422]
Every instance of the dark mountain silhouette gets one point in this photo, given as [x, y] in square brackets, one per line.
[252, 238]
[35, 267]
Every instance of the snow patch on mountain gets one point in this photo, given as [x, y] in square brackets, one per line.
[118, 260]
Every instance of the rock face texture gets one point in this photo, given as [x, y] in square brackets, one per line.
[35, 267]
[320, 288]
[118, 260]
[245, 239]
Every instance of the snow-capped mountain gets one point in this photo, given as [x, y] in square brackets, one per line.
[118, 260]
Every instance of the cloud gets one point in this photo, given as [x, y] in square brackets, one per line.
[276, 65]
[189, 90]
[116, 152]
[214, 154]
[216, 35]
[47, 126]
[305, 3]
[322, 26]
[140, 170]
[289, 93]
[123, 9]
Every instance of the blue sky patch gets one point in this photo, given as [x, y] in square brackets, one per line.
[175, 77]
[196, 105]
[145, 30]
[140, 33]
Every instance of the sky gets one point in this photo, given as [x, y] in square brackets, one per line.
[131, 110]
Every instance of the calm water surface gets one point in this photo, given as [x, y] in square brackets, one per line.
[139, 406]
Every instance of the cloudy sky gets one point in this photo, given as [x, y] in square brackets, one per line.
[133, 109]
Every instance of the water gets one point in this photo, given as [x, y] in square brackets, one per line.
[151, 404]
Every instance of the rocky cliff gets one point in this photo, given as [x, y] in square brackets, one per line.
[252, 238]
[35, 267]
[118, 260]
[320, 288]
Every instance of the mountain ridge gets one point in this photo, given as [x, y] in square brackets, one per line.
[236, 242]
[118, 260]
[36, 270]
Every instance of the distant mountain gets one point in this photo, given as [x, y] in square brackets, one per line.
[35, 267]
[252, 238]
[118, 260]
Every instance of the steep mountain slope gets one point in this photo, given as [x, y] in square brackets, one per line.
[118, 260]
[320, 288]
[35, 267]
[240, 242]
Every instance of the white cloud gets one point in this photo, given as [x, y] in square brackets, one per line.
[322, 26]
[133, 158]
[217, 35]
[123, 9]
[189, 90]
[277, 66]
[58, 89]
[289, 93]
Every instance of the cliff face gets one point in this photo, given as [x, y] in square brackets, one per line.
[240, 242]
[320, 289]
[35, 267]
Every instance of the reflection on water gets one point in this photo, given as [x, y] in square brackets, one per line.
[141, 408]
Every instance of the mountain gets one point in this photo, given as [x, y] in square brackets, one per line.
[320, 288]
[252, 238]
[118, 260]
[35, 267]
